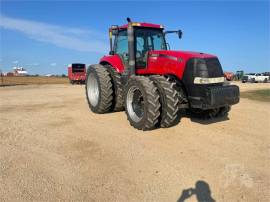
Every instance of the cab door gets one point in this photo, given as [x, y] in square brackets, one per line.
[146, 40]
[121, 46]
[141, 48]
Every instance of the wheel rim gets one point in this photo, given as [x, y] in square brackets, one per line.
[135, 104]
[92, 90]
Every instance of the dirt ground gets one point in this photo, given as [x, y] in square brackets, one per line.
[53, 148]
[26, 80]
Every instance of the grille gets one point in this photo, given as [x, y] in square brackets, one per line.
[78, 68]
[214, 67]
[207, 68]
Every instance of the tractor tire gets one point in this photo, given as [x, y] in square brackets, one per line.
[168, 99]
[98, 88]
[142, 103]
[118, 89]
[224, 111]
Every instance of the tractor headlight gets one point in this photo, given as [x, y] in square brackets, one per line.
[200, 80]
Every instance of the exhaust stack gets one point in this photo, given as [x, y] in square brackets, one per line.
[130, 69]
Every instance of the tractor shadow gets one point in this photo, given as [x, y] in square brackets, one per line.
[204, 121]
[194, 118]
[201, 191]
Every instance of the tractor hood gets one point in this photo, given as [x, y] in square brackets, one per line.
[180, 54]
[189, 66]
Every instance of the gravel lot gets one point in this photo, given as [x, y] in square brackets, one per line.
[52, 148]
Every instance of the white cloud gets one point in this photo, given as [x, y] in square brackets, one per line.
[64, 37]
[53, 64]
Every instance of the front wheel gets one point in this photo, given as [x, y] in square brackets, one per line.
[223, 111]
[142, 103]
[168, 99]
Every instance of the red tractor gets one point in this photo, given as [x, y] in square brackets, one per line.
[76, 73]
[153, 83]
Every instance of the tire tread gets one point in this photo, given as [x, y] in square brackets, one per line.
[169, 100]
[106, 92]
[152, 101]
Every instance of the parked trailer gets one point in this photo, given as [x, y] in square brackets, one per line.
[77, 73]
[229, 76]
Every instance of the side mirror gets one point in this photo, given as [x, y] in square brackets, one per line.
[180, 33]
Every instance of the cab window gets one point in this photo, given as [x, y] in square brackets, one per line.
[148, 39]
[121, 46]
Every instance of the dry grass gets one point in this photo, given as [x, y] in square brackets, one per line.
[26, 80]
[260, 95]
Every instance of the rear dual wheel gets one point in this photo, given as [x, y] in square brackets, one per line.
[99, 92]
[104, 90]
[118, 89]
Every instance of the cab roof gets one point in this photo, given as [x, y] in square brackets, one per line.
[142, 24]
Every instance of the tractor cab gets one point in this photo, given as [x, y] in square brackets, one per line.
[147, 38]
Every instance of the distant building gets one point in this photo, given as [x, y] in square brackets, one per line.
[19, 71]
[9, 74]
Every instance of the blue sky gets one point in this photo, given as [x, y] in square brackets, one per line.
[44, 36]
